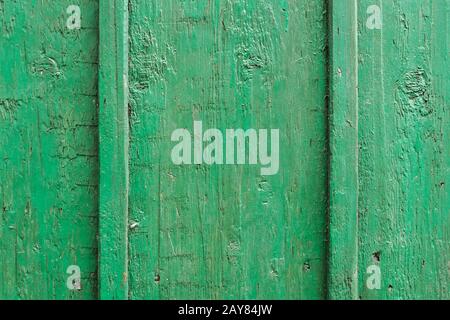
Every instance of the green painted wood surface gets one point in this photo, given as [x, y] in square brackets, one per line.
[375, 158]
[343, 180]
[226, 231]
[48, 149]
[114, 140]
[404, 167]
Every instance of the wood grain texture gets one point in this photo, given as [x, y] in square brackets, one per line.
[404, 200]
[225, 231]
[114, 141]
[343, 180]
[86, 177]
[48, 149]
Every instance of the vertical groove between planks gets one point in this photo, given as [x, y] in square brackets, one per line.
[343, 184]
[114, 140]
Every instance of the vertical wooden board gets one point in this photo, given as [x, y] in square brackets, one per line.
[343, 180]
[114, 138]
[226, 231]
[404, 95]
[48, 149]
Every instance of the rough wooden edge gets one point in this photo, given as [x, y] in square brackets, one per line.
[114, 140]
[343, 184]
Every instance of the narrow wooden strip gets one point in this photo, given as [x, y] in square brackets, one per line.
[343, 214]
[114, 140]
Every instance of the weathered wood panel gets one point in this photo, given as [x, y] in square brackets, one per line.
[225, 231]
[114, 139]
[404, 176]
[343, 178]
[48, 149]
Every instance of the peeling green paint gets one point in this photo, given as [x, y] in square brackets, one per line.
[90, 92]
[226, 231]
[404, 202]
[48, 150]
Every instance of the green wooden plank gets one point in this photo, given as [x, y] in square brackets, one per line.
[226, 231]
[113, 123]
[404, 136]
[48, 149]
[343, 181]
